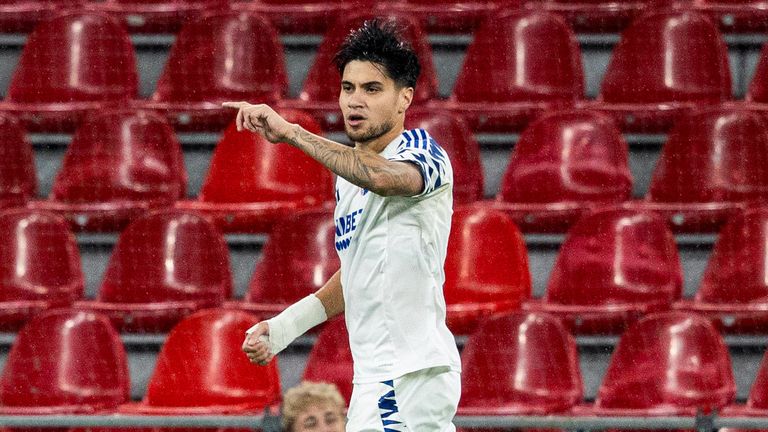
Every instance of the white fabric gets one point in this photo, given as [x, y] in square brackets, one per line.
[421, 401]
[293, 322]
[392, 251]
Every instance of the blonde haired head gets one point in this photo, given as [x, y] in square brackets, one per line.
[299, 398]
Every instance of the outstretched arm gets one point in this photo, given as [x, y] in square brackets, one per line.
[361, 168]
[269, 337]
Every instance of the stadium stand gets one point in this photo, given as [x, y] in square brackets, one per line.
[40, 266]
[563, 165]
[743, 16]
[615, 266]
[453, 16]
[596, 15]
[74, 64]
[18, 180]
[21, 16]
[304, 16]
[486, 269]
[166, 265]
[331, 359]
[152, 16]
[119, 164]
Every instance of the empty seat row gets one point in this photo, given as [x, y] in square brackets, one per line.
[667, 364]
[615, 266]
[123, 163]
[665, 64]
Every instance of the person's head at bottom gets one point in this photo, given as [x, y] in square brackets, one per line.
[378, 79]
[313, 406]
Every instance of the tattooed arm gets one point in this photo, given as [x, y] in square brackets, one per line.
[362, 168]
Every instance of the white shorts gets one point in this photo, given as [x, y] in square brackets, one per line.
[421, 401]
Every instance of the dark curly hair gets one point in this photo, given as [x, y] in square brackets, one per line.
[379, 41]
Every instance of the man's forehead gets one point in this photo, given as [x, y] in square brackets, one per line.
[365, 72]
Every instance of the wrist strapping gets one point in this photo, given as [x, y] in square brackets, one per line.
[294, 322]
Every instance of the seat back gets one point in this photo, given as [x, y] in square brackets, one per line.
[247, 168]
[76, 57]
[331, 358]
[758, 87]
[569, 156]
[122, 155]
[201, 364]
[18, 181]
[72, 361]
[323, 82]
[713, 155]
[521, 363]
[297, 260]
[453, 134]
[224, 56]
[668, 363]
[521, 56]
[668, 56]
[168, 256]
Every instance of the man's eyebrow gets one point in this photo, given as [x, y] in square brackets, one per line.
[365, 84]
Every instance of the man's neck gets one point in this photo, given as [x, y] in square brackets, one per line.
[379, 144]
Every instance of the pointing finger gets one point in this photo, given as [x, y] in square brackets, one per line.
[236, 105]
[239, 120]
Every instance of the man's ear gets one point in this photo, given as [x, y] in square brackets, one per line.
[404, 99]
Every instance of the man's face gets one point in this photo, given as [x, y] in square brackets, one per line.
[320, 418]
[371, 102]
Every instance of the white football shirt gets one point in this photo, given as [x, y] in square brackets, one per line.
[392, 252]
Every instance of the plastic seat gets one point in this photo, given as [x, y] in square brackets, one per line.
[757, 93]
[222, 56]
[165, 266]
[331, 359]
[18, 179]
[615, 266]
[65, 362]
[251, 183]
[152, 16]
[734, 289]
[452, 16]
[453, 135]
[72, 66]
[119, 165]
[201, 370]
[320, 93]
[39, 266]
[736, 16]
[486, 268]
[297, 260]
[304, 16]
[596, 16]
[667, 364]
[528, 61]
[564, 164]
[665, 64]
[520, 364]
[714, 163]
[22, 16]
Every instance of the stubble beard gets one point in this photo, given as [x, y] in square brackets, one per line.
[369, 134]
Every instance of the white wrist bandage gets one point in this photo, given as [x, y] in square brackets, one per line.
[294, 322]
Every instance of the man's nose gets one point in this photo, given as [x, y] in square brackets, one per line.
[355, 100]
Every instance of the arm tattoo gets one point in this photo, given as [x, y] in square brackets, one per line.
[367, 170]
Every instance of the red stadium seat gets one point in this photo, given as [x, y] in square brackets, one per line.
[452, 16]
[453, 135]
[665, 64]
[520, 364]
[736, 16]
[120, 164]
[201, 370]
[297, 260]
[73, 65]
[758, 395]
[667, 364]
[615, 266]
[320, 94]
[251, 183]
[734, 289]
[757, 93]
[304, 16]
[18, 180]
[596, 16]
[39, 266]
[486, 268]
[564, 164]
[519, 65]
[715, 162]
[331, 359]
[222, 56]
[153, 16]
[65, 362]
[165, 266]
[21, 16]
